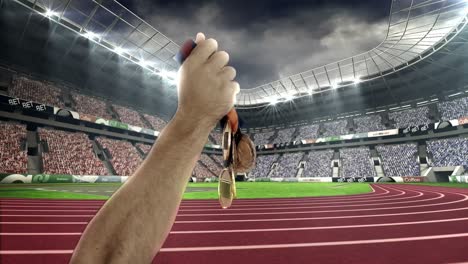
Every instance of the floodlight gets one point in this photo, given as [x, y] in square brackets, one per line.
[273, 101]
[50, 13]
[334, 85]
[357, 80]
[289, 97]
[91, 35]
[118, 50]
[144, 63]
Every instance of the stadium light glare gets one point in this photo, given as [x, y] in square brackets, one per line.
[144, 63]
[91, 35]
[334, 85]
[357, 80]
[119, 50]
[289, 97]
[49, 13]
[273, 101]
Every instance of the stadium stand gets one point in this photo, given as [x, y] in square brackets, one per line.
[335, 128]
[218, 159]
[356, 162]
[263, 165]
[448, 152]
[210, 164]
[144, 147]
[129, 116]
[201, 171]
[308, 132]
[368, 123]
[69, 153]
[411, 117]
[318, 164]
[399, 160]
[263, 138]
[216, 137]
[157, 123]
[90, 105]
[288, 165]
[454, 109]
[13, 159]
[36, 91]
[125, 158]
[284, 135]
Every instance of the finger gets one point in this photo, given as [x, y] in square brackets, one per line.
[200, 37]
[233, 86]
[228, 73]
[219, 60]
[204, 50]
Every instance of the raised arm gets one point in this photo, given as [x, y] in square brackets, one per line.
[134, 223]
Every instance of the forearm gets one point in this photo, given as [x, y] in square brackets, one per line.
[133, 224]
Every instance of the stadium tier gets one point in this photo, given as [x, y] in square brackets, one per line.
[455, 109]
[284, 135]
[309, 131]
[145, 148]
[157, 123]
[318, 163]
[448, 152]
[335, 128]
[411, 117]
[36, 91]
[13, 156]
[215, 137]
[129, 116]
[212, 165]
[399, 160]
[288, 165]
[368, 123]
[90, 105]
[263, 138]
[69, 153]
[123, 156]
[356, 162]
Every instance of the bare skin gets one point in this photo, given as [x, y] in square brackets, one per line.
[132, 226]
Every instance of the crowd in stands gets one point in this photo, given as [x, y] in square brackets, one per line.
[411, 117]
[36, 91]
[288, 165]
[263, 138]
[218, 159]
[13, 158]
[356, 162]
[69, 153]
[399, 160]
[335, 128]
[454, 109]
[211, 164]
[448, 152]
[157, 123]
[368, 123]
[90, 105]
[284, 135]
[318, 164]
[201, 171]
[144, 147]
[263, 165]
[216, 137]
[125, 158]
[308, 132]
[129, 116]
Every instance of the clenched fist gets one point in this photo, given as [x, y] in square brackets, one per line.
[206, 86]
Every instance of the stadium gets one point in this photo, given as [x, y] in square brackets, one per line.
[361, 160]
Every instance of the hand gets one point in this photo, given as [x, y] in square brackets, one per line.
[206, 86]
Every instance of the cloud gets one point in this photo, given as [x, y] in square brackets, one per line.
[264, 49]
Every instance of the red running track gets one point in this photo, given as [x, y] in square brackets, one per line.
[393, 224]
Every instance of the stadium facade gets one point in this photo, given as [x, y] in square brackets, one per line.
[106, 84]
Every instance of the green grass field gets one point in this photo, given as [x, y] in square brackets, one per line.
[245, 190]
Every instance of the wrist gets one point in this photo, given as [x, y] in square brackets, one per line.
[199, 126]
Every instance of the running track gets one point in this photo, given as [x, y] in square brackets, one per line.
[393, 224]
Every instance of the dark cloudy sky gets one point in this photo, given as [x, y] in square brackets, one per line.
[270, 39]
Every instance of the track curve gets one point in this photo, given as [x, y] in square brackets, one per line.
[392, 224]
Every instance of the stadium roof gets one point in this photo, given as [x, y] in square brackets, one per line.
[111, 25]
[416, 30]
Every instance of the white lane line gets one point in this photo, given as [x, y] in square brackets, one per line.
[318, 227]
[266, 229]
[328, 211]
[312, 207]
[43, 223]
[39, 210]
[47, 215]
[35, 252]
[316, 244]
[266, 246]
[41, 234]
